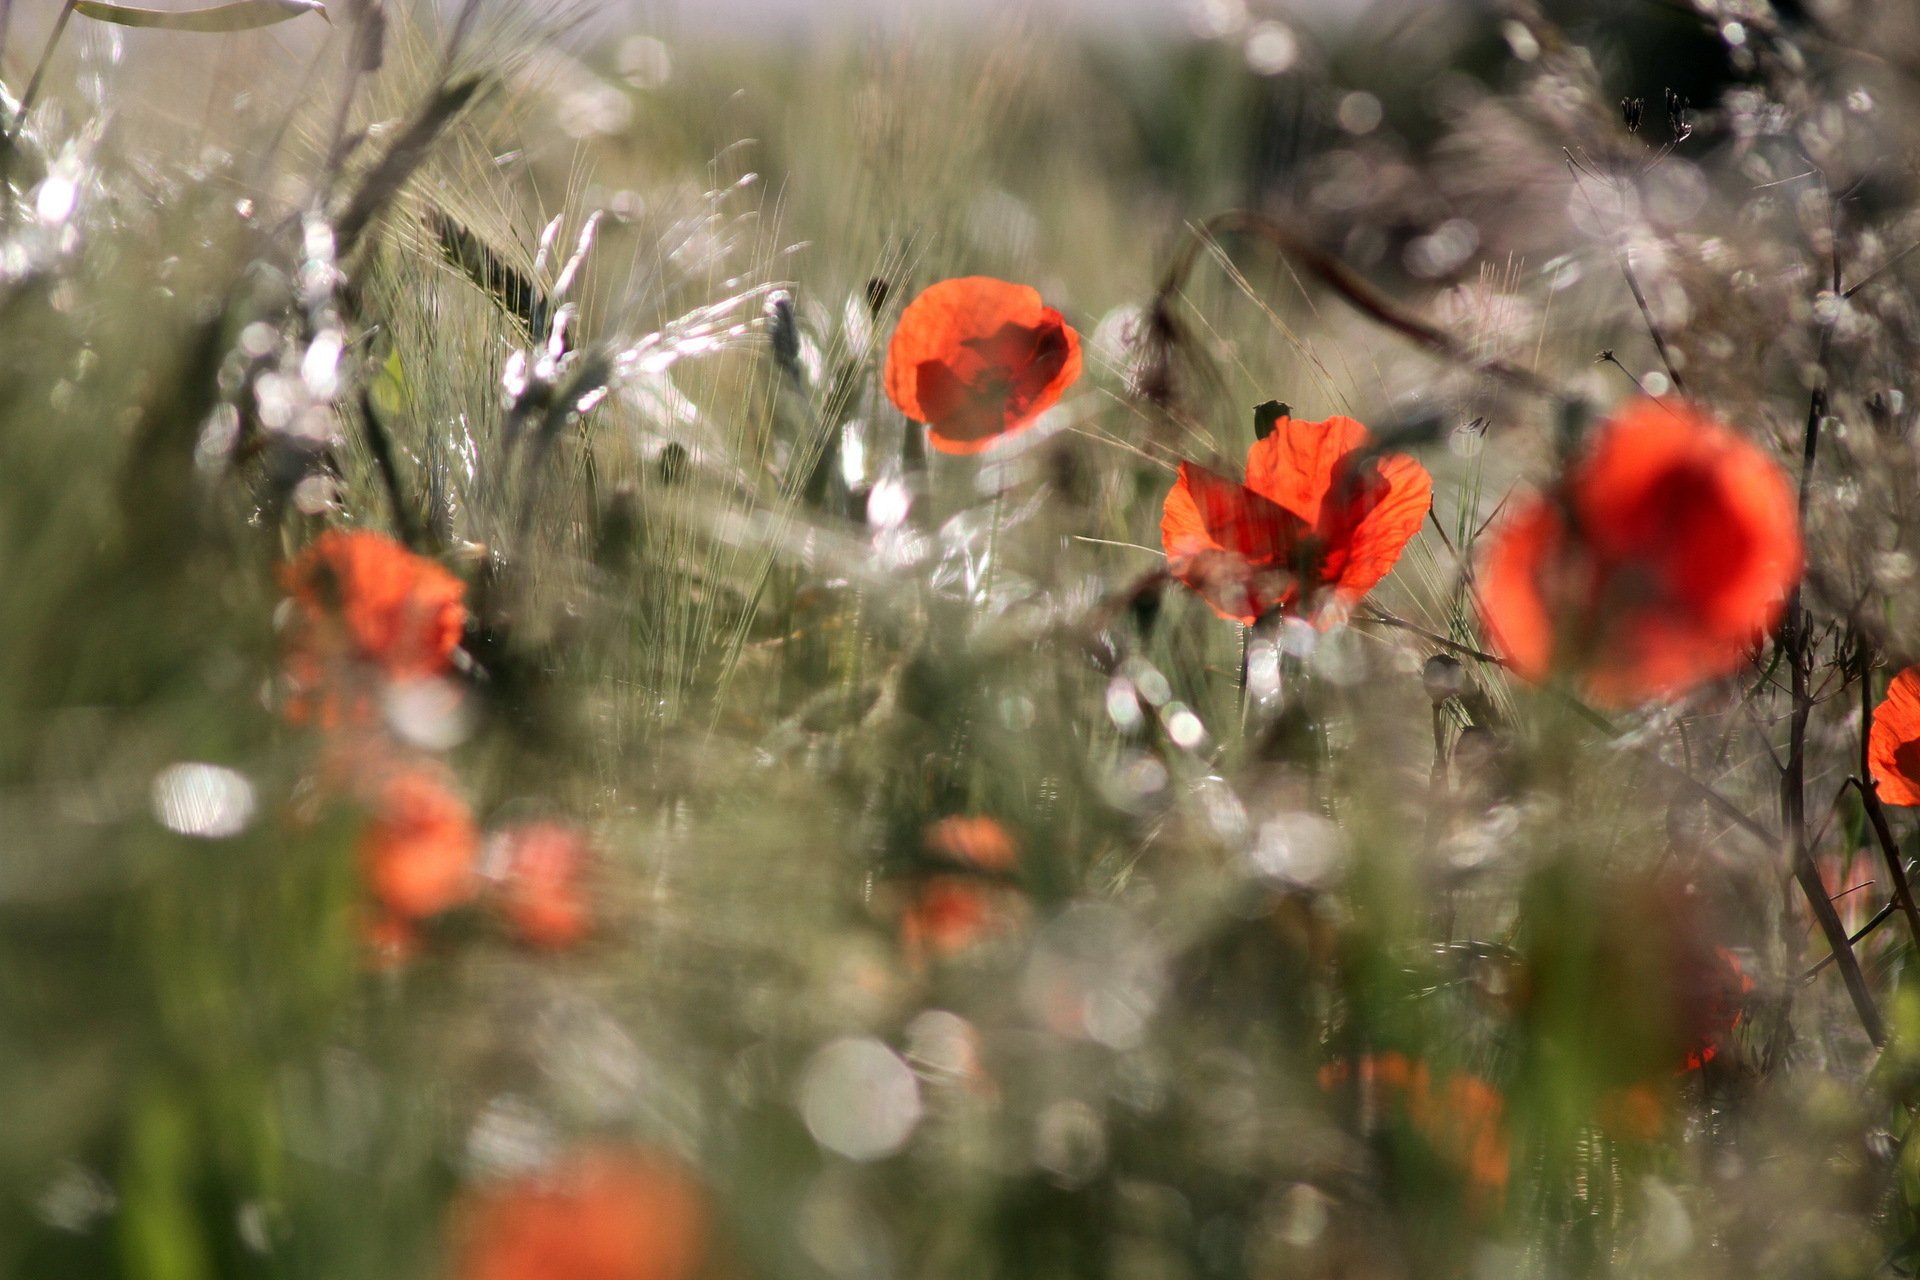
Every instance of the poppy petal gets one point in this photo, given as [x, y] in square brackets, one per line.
[1295, 465]
[1666, 552]
[1229, 544]
[1513, 605]
[1893, 748]
[975, 358]
[1375, 527]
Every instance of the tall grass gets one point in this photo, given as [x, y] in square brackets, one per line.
[598, 323]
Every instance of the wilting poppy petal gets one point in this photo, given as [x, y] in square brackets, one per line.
[1666, 551]
[541, 894]
[418, 849]
[595, 1214]
[975, 358]
[1893, 748]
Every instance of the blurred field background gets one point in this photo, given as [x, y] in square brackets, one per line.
[1307, 957]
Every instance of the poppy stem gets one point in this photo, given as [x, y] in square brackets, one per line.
[1793, 798]
[32, 90]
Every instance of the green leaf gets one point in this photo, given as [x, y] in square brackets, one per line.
[241, 15]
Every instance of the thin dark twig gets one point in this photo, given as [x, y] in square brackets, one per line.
[1432, 637]
[1880, 917]
[32, 90]
[461, 26]
[1607, 357]
[1356, 291]
[1880, 270]
[1633, 286]
[1794, 641]
[1700, 790]
[380, 445]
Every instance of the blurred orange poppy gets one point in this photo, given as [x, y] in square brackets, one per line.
[1893, 748]
[975, 841]
[1319, 520]
[1460, 1116]
[975, 358]
[1664, 552]
[363, 599]
[418, 850]
[541, 895]
[1635, 1113]
[948, 914]
[600, 1213]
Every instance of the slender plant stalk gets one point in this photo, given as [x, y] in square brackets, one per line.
[1793, 778]
[32, 90]
[1876, 812]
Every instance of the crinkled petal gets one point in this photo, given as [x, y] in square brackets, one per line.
[975, 358]
[1893, 748]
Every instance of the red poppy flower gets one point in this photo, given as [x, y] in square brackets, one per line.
[1320, 520]
[975, 358]
[1711, 991]
[363, 599]
[1664, 552]
[596, 1214]
[418, 850]
[975, 841]
[541, 895]
[1893, 748]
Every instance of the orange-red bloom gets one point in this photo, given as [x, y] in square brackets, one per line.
[1665, 551]
[1893, 748]
[948, 914]
[541, 895]
[418, 850]
[1319, 520]
[1460, 1116]
[975, 358]
[596, 1214]
[974, 841]
[363, 599]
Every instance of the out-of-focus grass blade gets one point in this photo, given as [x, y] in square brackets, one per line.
[240, 15]
[393, 169]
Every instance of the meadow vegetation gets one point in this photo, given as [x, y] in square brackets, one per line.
[627, 654]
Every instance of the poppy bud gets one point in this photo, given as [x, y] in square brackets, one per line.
[1267, 416]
